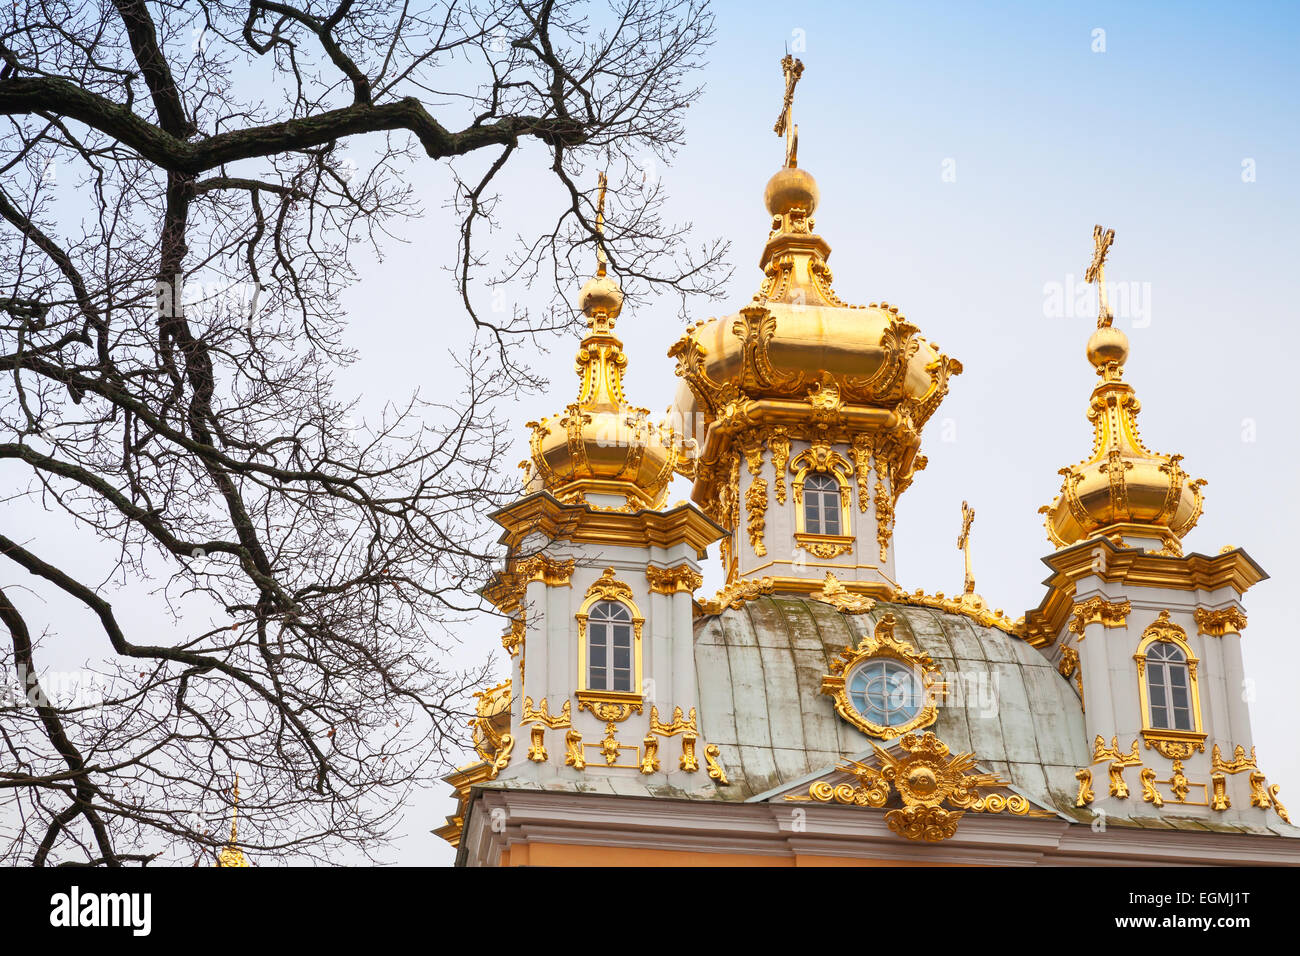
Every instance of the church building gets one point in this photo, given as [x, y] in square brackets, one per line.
[813, 712]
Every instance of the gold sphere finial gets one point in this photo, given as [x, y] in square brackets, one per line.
[1107, 346]
[791, 188]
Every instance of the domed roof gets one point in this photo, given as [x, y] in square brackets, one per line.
[760, 669]
[797, 334]
[1123, 488]
[602, 451]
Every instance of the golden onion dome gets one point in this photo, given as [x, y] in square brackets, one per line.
[1123, 491]
[602, 451]
[797, 351]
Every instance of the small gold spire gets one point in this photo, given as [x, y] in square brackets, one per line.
[793, 69]
[1124, 491]
[963, 542]
[231, 855]
[1101, 241]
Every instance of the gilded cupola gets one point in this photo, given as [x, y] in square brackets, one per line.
[602, 451]
[798, 364]
[1123, 490]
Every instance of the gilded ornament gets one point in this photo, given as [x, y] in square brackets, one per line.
[1277, 804]
[678, 725]
[883, 643]
[778, 444]
[755, 510]
[551, 572]
[837, 595]
[573, 751]
[688, 761]
[513, 639]
[502, 759]
[862, 452]
[1097, 610]
[1239, 762]
[1178, 783]
[681, 579]
[884, 519]
[1228, 620]
[537, 748]
[1149, 792]
[735, 595]
[607, 707]
[1258, 795]
[491, 722]
[609, 747]
[607, 587]
[1118, 761]
[540, 714]
[650, 760]
[980, 613]
[1086, 796]
[716, 772]
[1221, 801]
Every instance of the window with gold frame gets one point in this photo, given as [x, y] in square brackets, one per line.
[610, 618]
[822, 481]
[1168, 691]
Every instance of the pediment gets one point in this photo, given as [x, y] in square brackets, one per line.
[923, 788]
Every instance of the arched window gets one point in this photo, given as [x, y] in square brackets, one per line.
[609, 647]
[821, 504]
[1168, 691]
[1168, 688]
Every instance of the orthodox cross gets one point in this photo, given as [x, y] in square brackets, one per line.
[793, 70]
[963, 542]
[600, 225]
[1097, 272]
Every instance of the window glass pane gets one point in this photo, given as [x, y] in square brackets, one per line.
[830, 512]
[1159, 716]
[1182, 719]
[1180, 697]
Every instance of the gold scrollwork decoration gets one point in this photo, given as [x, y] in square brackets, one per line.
[778, 444]
[551, 572]
[716, 772]
[607, 707]
[573, 751]
[502, 759]
[834, 593]
[1085, 795]
[735, 594]
[1149, 792]
[1221, 801]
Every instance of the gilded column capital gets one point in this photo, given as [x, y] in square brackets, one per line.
[1228, 620]
[1097, 610]
[681, 579]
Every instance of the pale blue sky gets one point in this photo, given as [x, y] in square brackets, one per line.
[1046, 138]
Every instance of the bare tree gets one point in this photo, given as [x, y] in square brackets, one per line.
[171, 335]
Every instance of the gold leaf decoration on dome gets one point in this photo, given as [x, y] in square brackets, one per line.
[882, 643]
[834, 593]
[980, 614]
[1124, 490]
[735, 595]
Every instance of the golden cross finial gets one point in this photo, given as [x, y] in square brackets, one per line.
[234, 814]
[231, 855]
[601, 182]
[963, 542]
[793, 70]
[1097, 272]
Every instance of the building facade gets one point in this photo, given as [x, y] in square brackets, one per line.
[813, 712]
